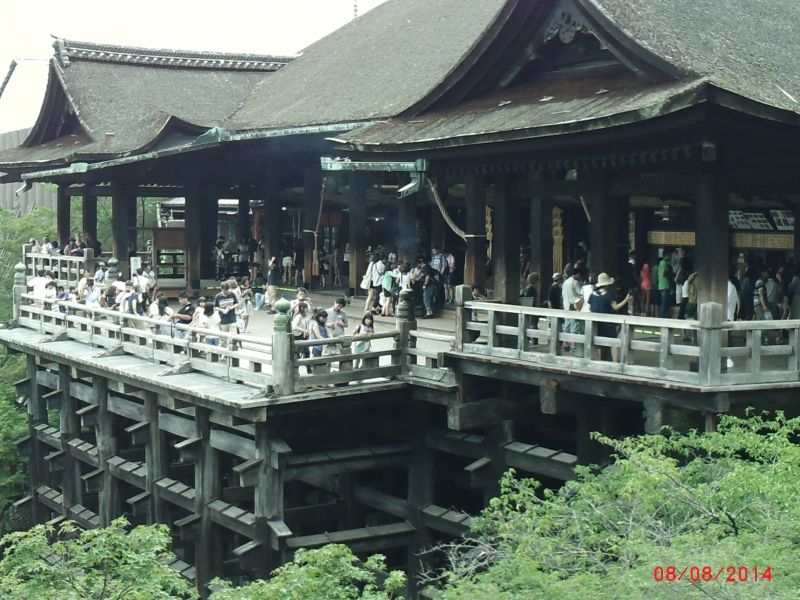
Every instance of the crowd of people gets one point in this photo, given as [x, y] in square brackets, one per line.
[74, 247]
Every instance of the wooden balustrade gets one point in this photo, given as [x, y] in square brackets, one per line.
[707, 352]
[67, 270]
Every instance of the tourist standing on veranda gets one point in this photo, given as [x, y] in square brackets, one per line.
[337, 322]
[665, 284]
[225, 305]
[603, 302]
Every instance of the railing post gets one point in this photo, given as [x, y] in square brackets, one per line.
[20, 287]
[709, 342]
[283, 372]
[88, 258]
[406, 322]
[462, 293]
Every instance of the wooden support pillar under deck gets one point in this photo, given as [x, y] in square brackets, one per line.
[37, 414]
[357, 225]
[62, 215]
[269, 497]
[475, 230]
[89, 214]
[207, 482]
[272, 217]
[106, 434]
[194, 214]
[406, 232]
[712, 241]
[312, 185]
[420, 486]
[156, 459]
[70, 426]
[542, 243]
[505, 253]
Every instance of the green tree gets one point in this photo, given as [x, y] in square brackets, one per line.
[723, 499]
[112, 563]
[332, 572]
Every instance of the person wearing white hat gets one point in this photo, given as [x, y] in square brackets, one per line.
[602, 301]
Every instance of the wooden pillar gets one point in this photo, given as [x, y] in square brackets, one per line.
[37, 414]
[133, 223]
[194, 238]
[406, 230]
[89, 212]
[475, 230]
[207, 489]
[156, 459]
[121, 199]
[796, 232]
[590, 417]
[542, 243]
[312, 183]
[243, 217]
[209, 227]
[269, 496]
[106, 434]
[62, 215]
[420, 487]
[357, 225]
[70, 426]
[272, 216]
[712, 241]
[603, 230]
[506, 243]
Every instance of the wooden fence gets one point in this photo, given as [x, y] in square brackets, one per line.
[67, 270]
[708, 352]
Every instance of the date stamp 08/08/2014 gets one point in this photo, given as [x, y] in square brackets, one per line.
[707, 573]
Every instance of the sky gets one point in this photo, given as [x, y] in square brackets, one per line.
[247, 26]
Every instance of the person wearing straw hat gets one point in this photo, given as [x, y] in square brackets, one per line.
[602, 301]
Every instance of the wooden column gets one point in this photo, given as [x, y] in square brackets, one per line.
[62, 215]
[89, 212]
[475, 229]
[420, 487]
[133, 223]
[272, 216]
[603, 230]
[121, 199]
[37, 414]
[243, 217]
[207, 488]
[357, 225]
[712, 241]
[406, 231]
[542, 243]
[796, 232]
[312, 183]
[156, 459]
[506, 243]
[70, 426]
[195, 211]
[106, 434]
[209, 226]
[269, 496]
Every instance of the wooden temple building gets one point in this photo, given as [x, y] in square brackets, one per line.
[481, 126]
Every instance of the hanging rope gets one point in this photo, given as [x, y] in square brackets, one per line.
[435, 193]
[315, 256]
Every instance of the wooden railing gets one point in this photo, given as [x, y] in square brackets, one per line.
[238, 358]
[272, 364]
[707, 352]
[67, 270]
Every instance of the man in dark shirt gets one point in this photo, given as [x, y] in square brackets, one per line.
[225, 304]
[554, 292]
[183, 315]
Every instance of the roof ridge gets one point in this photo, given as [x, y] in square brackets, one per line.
[68, 50]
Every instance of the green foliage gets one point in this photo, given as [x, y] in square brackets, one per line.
[101, 564]
[14, 232]
[13, 426]
[328, 573]
[718, 499]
